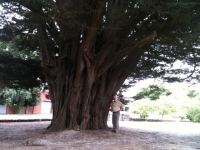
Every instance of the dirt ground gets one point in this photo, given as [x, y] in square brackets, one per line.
[131, 136]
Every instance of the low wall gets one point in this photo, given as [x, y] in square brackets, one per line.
[23, 110]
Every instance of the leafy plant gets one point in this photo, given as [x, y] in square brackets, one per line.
[143, 108]
[144, 111]
[34, 97]
[166, 109]
[193, 114]
[147, 107]
[20, 97]
[10, 96]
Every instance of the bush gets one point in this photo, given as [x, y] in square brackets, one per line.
[20, 97]
[165, 109]
[32, 97]
[193, 114]
[158, 108]
[10, 96]
[144, 111]
[143, 108]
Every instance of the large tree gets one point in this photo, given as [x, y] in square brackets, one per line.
[88, 48]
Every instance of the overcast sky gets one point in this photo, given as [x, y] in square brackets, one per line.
[176, 88]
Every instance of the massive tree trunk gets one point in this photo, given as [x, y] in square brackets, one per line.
[81, 99]
[81, 94]
[82, 90]
[81, 79]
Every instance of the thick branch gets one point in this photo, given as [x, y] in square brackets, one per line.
[126, 52]
[136, 46]
[103, 54]
[85, 51]
[91, 31]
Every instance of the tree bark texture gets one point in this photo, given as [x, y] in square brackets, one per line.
[81, 79]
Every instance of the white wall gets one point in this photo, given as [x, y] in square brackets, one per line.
[2, 109]
[46, 107]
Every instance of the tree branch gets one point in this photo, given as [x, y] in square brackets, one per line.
[145, 41]
[90, 35]
[133, 50]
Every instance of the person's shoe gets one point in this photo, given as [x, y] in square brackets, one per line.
[115, 131]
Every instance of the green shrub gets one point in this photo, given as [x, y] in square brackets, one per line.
[20, 97]
[34, 99]
[143, 108]
[166, 109]
[144, 111]
[10, 96]
[193, 114]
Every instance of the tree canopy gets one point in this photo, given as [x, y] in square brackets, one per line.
[123, 26]
[88, 48]
[17, 68]
[153, 92]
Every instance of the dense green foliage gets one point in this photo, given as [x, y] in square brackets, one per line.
[143, 110]
[176, 23]
[193, 114]
[19, 97]
[153, 92]
[17, 68]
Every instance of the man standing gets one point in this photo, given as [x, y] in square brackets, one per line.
[116, 107]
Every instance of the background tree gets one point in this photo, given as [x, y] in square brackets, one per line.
[166, 109]
[153, 92]
[193, 114]
[88, 48]
[144, 109]
[193, 94]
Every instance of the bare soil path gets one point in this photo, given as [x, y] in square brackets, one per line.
[132, 136]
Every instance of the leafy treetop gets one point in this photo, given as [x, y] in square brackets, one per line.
[122, 28]
[153, 92]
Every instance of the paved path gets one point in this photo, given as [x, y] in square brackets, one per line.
[25, 117]
[173, 128]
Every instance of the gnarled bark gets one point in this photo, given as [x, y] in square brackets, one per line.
[82, 80]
